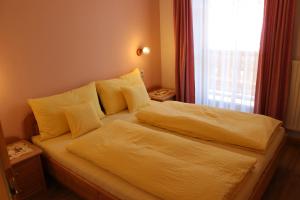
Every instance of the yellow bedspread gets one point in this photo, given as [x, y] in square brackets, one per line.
[225, 126]
[165, 165]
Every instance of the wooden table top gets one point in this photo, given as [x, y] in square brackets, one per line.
[22, 150]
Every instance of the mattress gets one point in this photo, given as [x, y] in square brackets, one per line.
[56, 149]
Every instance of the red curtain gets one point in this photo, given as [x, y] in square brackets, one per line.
[274, 67]
[184, 47]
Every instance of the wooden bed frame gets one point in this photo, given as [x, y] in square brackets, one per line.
[90, 191]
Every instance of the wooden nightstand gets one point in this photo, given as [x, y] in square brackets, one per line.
[162, 94]
[28, 177]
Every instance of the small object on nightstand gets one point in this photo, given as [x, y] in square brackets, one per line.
[162, 94]
[28, 177]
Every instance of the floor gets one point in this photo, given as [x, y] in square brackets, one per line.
[285, 184]
[55, 191]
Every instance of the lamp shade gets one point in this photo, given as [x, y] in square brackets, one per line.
[143, 51]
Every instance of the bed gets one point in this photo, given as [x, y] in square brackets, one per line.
[92, 182]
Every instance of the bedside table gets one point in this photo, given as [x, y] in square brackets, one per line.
[162, 94]
[28, 177]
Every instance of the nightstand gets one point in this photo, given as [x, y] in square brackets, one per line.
[162, 94]
[28, 177]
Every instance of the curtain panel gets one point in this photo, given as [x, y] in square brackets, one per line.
[226, 46]
[184, 51]
[274, 65]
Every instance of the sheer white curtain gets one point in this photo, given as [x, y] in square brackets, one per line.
[226, 41]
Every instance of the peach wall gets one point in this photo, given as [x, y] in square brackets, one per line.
[51, 46]
[167, 42]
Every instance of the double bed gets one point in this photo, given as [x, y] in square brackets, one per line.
[92, 182]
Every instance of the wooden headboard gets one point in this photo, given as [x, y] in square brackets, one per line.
[30, 126]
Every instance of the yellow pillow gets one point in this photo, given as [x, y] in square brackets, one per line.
[110, 91]
[111, 96]
[82, 118]
[136, 97]
[49, 113]
[88, 93]
[133, 78]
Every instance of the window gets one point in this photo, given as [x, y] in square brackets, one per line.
[226, 44]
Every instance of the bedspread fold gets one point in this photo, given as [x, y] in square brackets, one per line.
[164, 165]
[225, 126]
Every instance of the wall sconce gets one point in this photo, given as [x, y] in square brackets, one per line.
[143, 51]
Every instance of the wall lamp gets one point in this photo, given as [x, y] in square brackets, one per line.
[143, 51]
